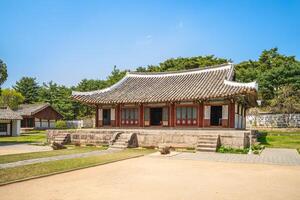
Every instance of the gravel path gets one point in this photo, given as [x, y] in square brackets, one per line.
[54, 158]
[11, 148]
[268, 156]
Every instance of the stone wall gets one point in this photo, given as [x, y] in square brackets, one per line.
[274, 120]
[150, 137]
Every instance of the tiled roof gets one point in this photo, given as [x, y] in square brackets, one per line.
[31, 109]
[196, 84]
[7, 114]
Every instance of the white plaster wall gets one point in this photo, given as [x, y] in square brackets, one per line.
[44, 123]
[52, 123]
[37, 123]
[16, 127]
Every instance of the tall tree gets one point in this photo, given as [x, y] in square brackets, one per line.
[11, 98]
[59, 97]
[272, 71]
[3, 73]
[29, 88]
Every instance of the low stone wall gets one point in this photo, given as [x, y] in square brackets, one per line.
[150, 137]
[273, 120]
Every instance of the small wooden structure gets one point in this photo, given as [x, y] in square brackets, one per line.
[39, 116]
[197, 98]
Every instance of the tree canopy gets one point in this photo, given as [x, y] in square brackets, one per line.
[11, 98]
[3, 73]
[175, 64]
[29, 88]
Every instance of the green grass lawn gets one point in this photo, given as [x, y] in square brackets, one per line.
[26, 156]
[280, 139]
[46, 168]
[28, 137]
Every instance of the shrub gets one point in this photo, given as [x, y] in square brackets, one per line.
[61, 124]
[57, 146]
[223, 149]
[90, 145]
[77, 144]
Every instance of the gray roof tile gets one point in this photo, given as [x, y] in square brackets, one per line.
[196, 84]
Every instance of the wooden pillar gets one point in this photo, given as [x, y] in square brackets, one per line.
[200, 114]
[231, 114]
[97, 116]
[172, 117]
[141, 118]
[11, 128]
[117, 117]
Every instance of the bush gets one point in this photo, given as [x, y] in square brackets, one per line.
[223, 149]
[61, 124]
[57, 146]
[90, 145]
[77, 144]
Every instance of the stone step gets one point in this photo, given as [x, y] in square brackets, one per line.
[207, 138]
[207, 141]
[206, 149]
[213, 145]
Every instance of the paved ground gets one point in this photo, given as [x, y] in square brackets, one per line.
[7, 148]
[160, 178]
[53, 158]
[268, 156]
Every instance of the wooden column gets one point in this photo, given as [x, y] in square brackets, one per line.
[141, 118]
[97, 117]
[172, 117]
[231, 115]
[117, 115]
[200, 114]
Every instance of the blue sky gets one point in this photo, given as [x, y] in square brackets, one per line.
[66, 41]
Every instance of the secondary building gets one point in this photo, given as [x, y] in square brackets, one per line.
[10, 122]
[38, 116]
[197, 98]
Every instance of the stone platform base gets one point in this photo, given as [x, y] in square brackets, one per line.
[156, 137]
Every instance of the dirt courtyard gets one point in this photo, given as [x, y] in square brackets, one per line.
[163, 178]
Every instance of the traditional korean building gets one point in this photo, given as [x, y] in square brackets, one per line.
[197, 98]
[38, 116]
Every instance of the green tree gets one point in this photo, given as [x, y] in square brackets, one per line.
[11, 98]
[272, 71]
[287, 100]
[175, 64]
[59, 97]
[29, 88]
[3, 73]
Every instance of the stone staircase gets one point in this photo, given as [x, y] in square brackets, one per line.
[62, 139]
[208, 143]
[123, 140]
